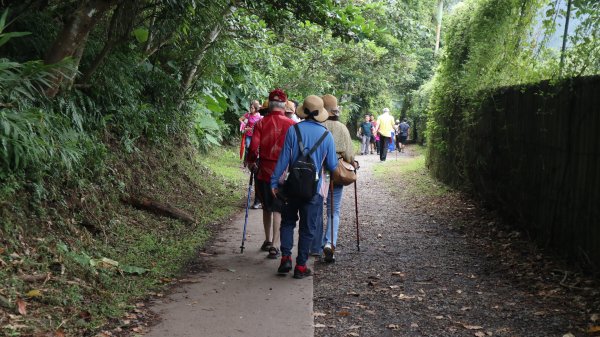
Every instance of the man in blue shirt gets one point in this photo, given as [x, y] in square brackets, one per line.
[364, 132]
[313, 111]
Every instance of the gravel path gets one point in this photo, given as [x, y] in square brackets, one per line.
[433, 263]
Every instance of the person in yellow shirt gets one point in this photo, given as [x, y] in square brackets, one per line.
[385, 126]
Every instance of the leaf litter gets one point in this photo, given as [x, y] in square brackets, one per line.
[444, 265]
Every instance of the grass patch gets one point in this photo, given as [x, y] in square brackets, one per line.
[227, 164]
[408, 177]
[103, 255]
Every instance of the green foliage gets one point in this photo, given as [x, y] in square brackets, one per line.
[209, 129]
[496, 43]
[33, 137]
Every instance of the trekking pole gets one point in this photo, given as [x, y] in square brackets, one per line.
[356, 210]
[247, 206]
[331, 208]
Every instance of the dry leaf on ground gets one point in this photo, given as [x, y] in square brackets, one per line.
[34, 293]
[22, 307]
[393, 326]
[472, 327]
[594, 329]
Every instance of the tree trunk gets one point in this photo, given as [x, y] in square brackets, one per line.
[565, 37]
[73, 36]
[108, 46]
[87, 75]
[438, 28]
[209, 39]
[76, 59]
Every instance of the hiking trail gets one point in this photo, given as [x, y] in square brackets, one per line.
[432, 263]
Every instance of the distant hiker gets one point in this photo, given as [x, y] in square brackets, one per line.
[404, 128]
[248, 120]
[364, 132]
[263, 110]
[269, 135]
[373, 143]
[397, 134]
[256, 104]
[344, 149]
[290, 111]
[385, 126]
[311, 133]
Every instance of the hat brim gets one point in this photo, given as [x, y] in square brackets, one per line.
[320, 117]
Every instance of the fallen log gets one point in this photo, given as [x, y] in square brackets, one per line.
[35, 278]
[158, 208]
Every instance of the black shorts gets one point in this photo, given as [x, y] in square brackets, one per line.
[403, 139]
[269, 202]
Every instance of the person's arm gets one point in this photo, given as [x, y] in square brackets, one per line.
[252, 155]
[284, 159]
[348, 153]
[331, 161]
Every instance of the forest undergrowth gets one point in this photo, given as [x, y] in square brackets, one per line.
[84, 256]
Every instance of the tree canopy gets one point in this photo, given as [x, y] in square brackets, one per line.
[151, 70]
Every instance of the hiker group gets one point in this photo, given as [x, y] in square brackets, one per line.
[298, 156]
[382, 135]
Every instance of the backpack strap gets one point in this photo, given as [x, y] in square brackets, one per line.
[314, 148]
[299, 136]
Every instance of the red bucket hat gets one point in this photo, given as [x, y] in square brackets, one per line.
[277, 95]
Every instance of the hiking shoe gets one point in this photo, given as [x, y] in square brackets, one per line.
[265, 246]
[256, 205]
[328, 251]
[302, 272]
[273, 253]
[286, 265]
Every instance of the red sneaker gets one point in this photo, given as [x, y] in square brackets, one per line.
[286, 265]
[302, 272]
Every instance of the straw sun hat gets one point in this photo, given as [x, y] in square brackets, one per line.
[331, 105]
[312, 105]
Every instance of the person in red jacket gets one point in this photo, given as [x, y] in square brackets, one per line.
[267, 142]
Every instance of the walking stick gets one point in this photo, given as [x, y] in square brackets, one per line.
[247, 206]
[331, 209]
[356, 210]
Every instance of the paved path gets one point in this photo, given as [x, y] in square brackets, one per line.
[241, 295]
